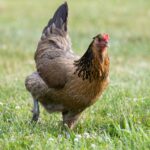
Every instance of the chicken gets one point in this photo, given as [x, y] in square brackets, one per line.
[65, 82]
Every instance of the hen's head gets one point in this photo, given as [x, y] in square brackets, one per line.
[100, 42]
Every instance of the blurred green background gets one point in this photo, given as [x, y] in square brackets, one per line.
[121, 119]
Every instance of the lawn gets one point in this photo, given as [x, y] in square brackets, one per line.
[120, 119]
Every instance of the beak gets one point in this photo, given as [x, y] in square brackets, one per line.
[107, 44]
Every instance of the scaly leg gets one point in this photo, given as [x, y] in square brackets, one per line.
[35, 110]
[70, 118]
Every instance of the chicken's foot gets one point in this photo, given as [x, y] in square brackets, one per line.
[35, 110]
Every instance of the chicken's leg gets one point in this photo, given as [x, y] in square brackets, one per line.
[70, 118]
[35, 110]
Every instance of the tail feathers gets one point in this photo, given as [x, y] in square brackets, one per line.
[58, 22]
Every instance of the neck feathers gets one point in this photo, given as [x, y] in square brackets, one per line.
[92, 66]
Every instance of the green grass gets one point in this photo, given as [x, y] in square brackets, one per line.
[121, 119]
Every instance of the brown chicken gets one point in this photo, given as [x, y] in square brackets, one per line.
[65, 82]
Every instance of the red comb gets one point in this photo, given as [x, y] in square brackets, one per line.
[106, 37]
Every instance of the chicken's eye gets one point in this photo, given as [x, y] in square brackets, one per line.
[99, 39]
